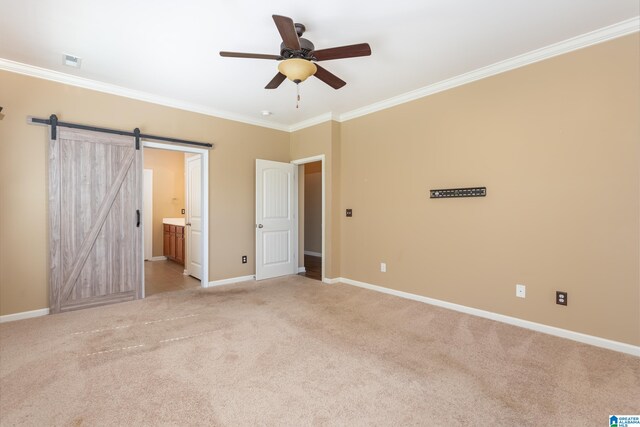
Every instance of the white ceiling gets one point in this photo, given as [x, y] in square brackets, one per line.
[169, 49]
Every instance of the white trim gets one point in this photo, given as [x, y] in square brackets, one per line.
[205, 197]
[230, 281]
[318, 158]
[157, 258]
[298, 162]
[68, 79]
[24, 315]
[147, 143]
[312, 121]
[329, 281]
[601, 35]
[296, 222]
[205, 216]
[302, 270]
[311, 253]
[594, 37]
[147, 211]
[538, 327]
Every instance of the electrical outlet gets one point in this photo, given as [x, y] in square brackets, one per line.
[383, 267]
[521, 291]
[244, 259]
[182, 211]
[561, 297]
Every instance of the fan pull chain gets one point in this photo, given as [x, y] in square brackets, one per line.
[298, 95]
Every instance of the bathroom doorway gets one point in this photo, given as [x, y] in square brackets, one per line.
[311, 231]
[174, 252]
[313, 220]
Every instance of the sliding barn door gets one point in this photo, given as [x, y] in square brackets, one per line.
[95, 194]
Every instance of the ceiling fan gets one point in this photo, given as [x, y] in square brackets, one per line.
[299, 57]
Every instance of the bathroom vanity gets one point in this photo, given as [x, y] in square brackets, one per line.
[173, 236]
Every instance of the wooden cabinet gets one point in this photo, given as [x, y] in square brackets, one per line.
[166, 237]
[180, 245]
[174, 242]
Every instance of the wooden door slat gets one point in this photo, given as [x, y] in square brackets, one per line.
[95, 246]
[83, 253]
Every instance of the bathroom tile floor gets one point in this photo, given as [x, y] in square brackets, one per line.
[166, 276]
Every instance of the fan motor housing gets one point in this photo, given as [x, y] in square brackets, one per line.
[306, 47]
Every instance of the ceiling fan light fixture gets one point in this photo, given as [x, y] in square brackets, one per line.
[297, 69]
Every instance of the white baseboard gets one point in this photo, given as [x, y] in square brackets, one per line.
[230, 281]
[318, 254]
[330, 281]
[24, 315]
[302, 270]
[158, 258]
[539, 327]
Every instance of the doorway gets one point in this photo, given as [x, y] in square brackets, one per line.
[179, 230]
[311, 201]
[311, 224]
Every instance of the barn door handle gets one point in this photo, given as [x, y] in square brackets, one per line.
[137, 217]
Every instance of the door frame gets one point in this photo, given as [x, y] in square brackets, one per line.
[319, 158]
[204, 281]
[148, 214]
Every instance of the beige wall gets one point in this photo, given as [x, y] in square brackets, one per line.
[313, 207]
[324, 139]
[557, 144]
[168, 189]
[23, 160]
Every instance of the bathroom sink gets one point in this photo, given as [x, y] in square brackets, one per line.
[173, 221]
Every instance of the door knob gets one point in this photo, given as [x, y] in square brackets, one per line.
[260, 225]
[188, 224]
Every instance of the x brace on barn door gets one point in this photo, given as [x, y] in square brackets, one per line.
[54, 123]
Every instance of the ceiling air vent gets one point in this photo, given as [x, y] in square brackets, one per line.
[71, 61]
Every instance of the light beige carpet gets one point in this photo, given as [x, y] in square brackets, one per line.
[296, 352]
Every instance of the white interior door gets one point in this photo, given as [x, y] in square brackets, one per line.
[147, 214]
[275, 219]
[193, 173]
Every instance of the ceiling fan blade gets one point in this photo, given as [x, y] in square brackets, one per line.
[249, 55]
[287, 31]
[329, 78]
[275, 82]
[351, 51]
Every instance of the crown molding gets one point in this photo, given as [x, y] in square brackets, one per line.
[594, 37]
[588, 39]
[312, 121]
[68, 79]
